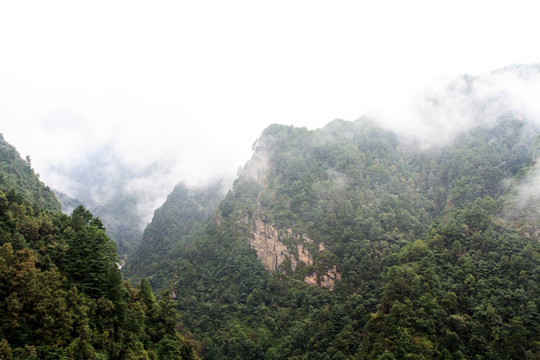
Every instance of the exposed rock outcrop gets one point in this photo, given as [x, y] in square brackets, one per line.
[327, 280]
[268, 242]
[277, 248]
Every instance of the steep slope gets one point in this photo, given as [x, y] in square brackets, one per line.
[62, 296]
[120, 194]
[184, 210]
[17, 174]
[304, 250]
[61, 291]
[68, 203]
[353, 181]
[122, 220]
[119, 214]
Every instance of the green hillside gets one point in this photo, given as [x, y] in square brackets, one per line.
[17, 174]
[61, 291]
[350, 243]
[62, 296]
[184, 211]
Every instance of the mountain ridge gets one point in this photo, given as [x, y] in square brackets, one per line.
[351, 208]
[61, 291]
[18, 175]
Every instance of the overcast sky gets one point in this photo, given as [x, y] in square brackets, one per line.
[194, 83]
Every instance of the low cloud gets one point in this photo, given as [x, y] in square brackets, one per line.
[435, 110]
[94, 153]
[436, 113]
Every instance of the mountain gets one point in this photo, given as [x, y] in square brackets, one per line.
[185, 210]
[119, 211]
[122, 220]
[17, 174]
[61, 291]
[68, 203]
[352, 242]
[121, 195]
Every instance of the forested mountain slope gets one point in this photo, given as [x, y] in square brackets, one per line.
[349, 242]
[61, 291]
[110, 189]
[122, 220]
[185, 210]
[17, 174]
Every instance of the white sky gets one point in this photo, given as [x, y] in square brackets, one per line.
[196, 82]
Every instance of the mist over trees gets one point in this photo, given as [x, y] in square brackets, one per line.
[352, 241]
[61, 291]
[110, 189]
[17, 174]
[429, 263]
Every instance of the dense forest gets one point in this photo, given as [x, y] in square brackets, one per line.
[184, 211]
[17, 174]
[346, 242]
[61, 291]
[351, 242]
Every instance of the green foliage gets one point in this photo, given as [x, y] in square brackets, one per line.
[184, 211]
[90, 261]
[428, 268]
[446, 300]
[17, 174]
[62, 296]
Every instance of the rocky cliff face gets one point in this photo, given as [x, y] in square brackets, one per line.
[327, 279]
[282, 250]
[270, 244]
